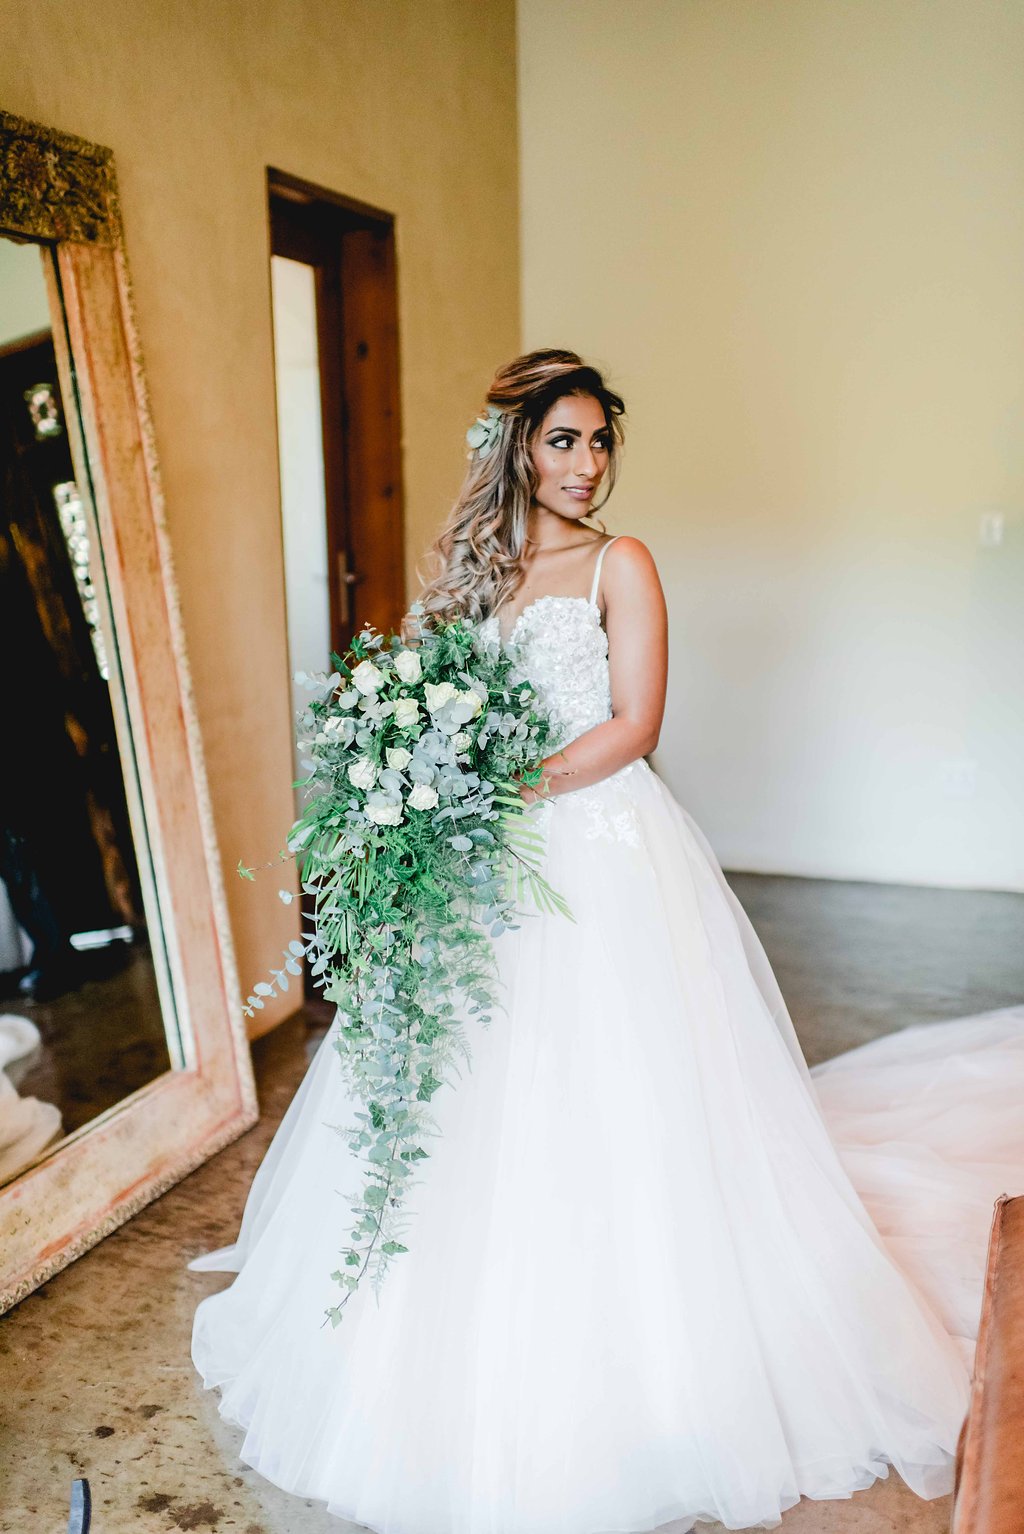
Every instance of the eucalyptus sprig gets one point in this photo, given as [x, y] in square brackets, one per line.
[415, 851]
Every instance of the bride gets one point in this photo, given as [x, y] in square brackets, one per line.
[658, 1272]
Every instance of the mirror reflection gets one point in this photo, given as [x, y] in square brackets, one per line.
[82, 996]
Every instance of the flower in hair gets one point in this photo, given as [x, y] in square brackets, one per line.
[483, 435]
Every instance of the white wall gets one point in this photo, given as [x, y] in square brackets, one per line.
[24, 308]
[301, 455]
[794, 234]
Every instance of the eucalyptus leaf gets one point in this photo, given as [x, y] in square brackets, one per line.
[405, 906]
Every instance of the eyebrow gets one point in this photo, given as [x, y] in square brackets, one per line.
[571, 431]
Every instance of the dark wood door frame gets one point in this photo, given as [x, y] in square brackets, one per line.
[351, 248]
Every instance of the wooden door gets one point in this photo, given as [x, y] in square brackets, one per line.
[351, 249]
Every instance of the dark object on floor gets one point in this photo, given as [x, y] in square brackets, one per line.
[55, 978]
[81, 1508]
[988, 1496]
[68, 970]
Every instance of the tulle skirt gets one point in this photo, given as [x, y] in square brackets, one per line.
[658, 1270]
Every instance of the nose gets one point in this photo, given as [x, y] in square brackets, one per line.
[584, 462]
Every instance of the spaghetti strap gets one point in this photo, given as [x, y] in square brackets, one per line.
[597, 569]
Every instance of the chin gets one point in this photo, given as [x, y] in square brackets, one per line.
[573, 512]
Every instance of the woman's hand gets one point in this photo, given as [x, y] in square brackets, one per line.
[555, 778]
[530, 793]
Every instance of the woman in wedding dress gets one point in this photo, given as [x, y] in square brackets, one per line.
[658, 1271]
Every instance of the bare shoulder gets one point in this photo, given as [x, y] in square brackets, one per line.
[633, 601]
[629, 566]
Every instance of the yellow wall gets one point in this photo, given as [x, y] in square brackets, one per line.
[408, 106]
[793, 230]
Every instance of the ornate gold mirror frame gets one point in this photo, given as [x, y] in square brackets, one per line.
[61, 192]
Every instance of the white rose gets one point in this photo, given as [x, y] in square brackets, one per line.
[348, 699]
[407, 664]
[438, 694]
[473, 699]
[407, 711]
[362, 774]
[462, 741]
[423, 797]
[366, 677]
[398, 757]
[385, 814]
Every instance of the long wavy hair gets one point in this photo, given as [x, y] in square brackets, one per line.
[478, 556]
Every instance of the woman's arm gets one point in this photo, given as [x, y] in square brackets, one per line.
[637, 625]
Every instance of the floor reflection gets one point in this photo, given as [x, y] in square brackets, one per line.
[101, 1040]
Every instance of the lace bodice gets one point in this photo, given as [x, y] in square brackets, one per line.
[559, 643]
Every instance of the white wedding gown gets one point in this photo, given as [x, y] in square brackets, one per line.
[658, 1271]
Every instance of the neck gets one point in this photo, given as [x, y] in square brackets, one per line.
[547, 530]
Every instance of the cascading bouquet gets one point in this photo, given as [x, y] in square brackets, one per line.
[415, 849]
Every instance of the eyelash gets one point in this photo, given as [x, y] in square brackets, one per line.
[602, 442]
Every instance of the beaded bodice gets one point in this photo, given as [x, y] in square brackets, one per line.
[559, 643]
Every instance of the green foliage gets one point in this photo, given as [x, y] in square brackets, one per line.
[415, 851]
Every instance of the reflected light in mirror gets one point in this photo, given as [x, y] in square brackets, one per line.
[84, 992]
[301, 457]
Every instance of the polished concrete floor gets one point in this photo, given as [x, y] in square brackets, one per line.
[858, 960]
[95, 1376]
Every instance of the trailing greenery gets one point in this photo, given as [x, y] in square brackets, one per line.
[415, 849]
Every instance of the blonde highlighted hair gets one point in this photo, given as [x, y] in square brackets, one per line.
[478, 555]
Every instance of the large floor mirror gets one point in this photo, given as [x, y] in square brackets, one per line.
[123, 1058]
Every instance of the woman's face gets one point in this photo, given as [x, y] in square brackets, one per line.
[570, 454]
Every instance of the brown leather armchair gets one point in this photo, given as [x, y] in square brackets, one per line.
[988, 1495]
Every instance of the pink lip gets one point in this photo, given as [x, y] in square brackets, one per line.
[581, 492]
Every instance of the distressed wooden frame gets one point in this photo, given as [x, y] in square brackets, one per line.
[62, 191]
